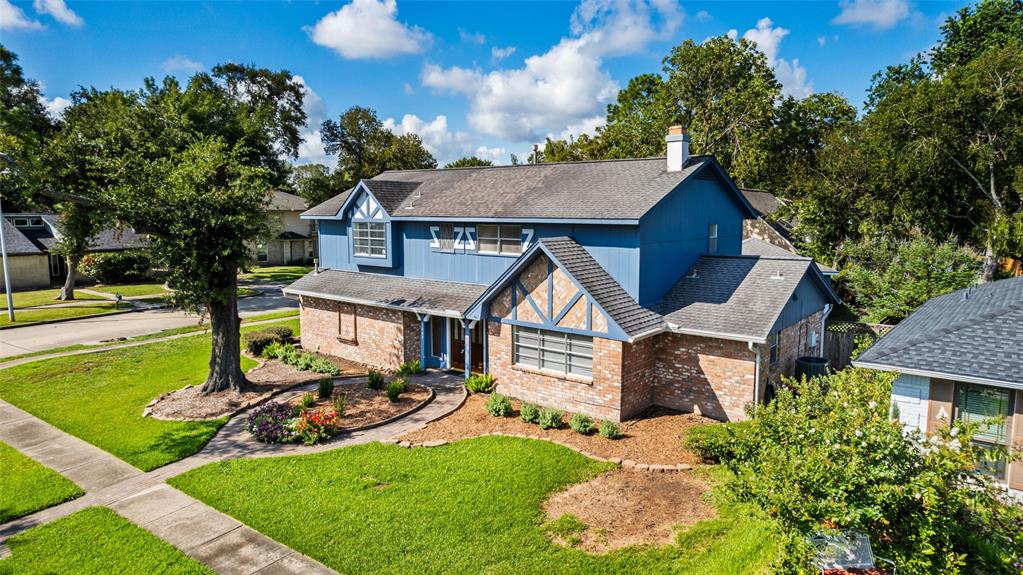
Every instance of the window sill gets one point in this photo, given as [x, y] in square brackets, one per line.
[347, 340]
[499, 254]
[554, 374]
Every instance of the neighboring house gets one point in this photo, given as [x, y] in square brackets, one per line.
[294, 239]
[768, 234]
[30, 237]
[595, 287]
[960, 356]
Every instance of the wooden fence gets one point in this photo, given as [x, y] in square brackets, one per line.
[840, 340]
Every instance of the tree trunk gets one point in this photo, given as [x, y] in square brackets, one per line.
[68, 291]
[225, 357]
[991, 261]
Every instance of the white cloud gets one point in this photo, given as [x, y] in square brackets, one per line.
[496, 155]
[703, 16]
[444, 144]
[182, 64]
[310, 151]
[732, 34]
[566, 85]
[586, 126]
[59, 10]
[881, 14]
[367, 29]
[822, 40]
[792, 75]
[55, 107]
[472, 37]
[13, 18]
[409, 90]
[501, 53]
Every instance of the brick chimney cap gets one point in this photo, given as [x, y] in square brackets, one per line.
[676, 130]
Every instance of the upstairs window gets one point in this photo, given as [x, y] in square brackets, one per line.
[712, 238]
[447, 238]
[369, 239]
[499, 239]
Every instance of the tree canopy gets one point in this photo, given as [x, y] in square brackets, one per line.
[469, 162]
[364, 147]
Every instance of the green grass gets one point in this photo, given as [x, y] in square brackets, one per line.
[379, 508]
[94, 540]
[99, 397]
[246, 292]
[132, 290]
[276, 273]
[29, 316]
[40, 297]
[27, 486]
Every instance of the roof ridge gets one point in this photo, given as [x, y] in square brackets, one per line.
[506, 166]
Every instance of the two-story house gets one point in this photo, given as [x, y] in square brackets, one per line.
[598, 287]
[293, 240]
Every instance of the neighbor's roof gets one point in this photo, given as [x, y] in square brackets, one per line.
[763, 202]
[737, 297]
[285, 202]
[39, 240]
[971, 334]
[16, 242]
[633, 318]
[758, 247]
[390, 291]
[604, 190]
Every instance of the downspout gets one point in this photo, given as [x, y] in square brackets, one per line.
[756, 375]
[827, 311]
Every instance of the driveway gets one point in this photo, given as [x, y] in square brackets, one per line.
[98, 329]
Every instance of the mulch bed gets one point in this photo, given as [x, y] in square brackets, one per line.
[655, 437]
[348, 368]
[368, 406]
[626, 507]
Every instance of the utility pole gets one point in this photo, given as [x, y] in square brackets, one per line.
[3, 254]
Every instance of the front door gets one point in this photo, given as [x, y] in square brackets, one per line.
[458, 346]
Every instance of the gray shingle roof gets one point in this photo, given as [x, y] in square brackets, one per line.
[42, 239]
[764, 202]
[610, 189]
[737, 296]
[976, 332]
[382, 290]
[285, 202]
[16, 242]
[758, 247]
[633, 318]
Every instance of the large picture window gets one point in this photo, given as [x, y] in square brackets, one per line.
[565, 353]
[499, 239]
[369, 239]
[991, 407]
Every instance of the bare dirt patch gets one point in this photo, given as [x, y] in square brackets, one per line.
[626, 507]
[655, 437]
[369, 406]
[189, 404]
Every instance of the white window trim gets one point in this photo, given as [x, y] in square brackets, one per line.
[355, 240]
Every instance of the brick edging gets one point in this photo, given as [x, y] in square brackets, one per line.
[624, 463]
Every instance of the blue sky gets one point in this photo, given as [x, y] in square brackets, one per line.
[485, 78]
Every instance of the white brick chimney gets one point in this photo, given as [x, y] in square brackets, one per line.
[678, 148]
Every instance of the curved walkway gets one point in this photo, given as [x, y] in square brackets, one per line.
[207, 535]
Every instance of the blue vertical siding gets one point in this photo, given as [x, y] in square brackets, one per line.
[808, 299]
[674, 233]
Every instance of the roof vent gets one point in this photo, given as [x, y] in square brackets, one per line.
[693, 274]
[778, 275]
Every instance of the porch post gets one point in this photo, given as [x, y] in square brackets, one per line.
[486, 346]
[422, 338]
[467, 344]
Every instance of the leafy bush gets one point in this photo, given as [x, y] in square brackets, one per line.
[394, 390]
[499, 405]
[325, 388]
[610, 430]
[339, 401]
[375, 380]
[316, 425]
[277, 350]
[322, 365]
[714, 441]
[581, 424]
[825, 454]
[283, 332]
[402, 383]
[305, 362]
[410, 368]
[256, 341]
[480, 383]
[308, 400]
[269, 422]
[529, 413]
[117, 267]
[296, 410]
[550, 418]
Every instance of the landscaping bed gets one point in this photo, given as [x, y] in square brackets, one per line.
[367, 406]
[656, 437]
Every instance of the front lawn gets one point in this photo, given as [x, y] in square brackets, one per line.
[39, 297]
[276, 273]
[94, 540]
[27, 316]
[27, 486]
[467, 507]
[132, 290]
[99, 397]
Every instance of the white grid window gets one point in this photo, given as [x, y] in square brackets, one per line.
[775, 337]
[712, 238]
[502, 239]
[369, 239]
[565, 353]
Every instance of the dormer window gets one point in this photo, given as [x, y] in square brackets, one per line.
[499, 239]
[369, 239]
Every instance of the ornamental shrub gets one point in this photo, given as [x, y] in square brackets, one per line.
[499, 405]
[308, 400]
[550, 418]
[315, 425]
[610, 430]
[714, 441]
[339, 401]
[581, 424]
[410, 368]
[529, 413]
[282, 332]
[277, 350]
[480, 383]
[257, 341]
[825, 454]
[322, 365]
[117, 267]
[269, 422]
[375, 380]
[305, 362]
[395, 389]
[325, 388]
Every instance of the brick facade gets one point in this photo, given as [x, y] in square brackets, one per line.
[373, 336]
[712, 377]
[793, 343]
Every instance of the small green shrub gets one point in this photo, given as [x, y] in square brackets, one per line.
[394, 390]
[340, 402]
[410, 368]
[296, 410]
[129, 266]
[550, 418]
[581, 424]
[529, 413]
[321, 365]
[714, 441]
[480, 383]
[282, 332]
[402, 383]
[305, 361]
[375, 380]
[499, 405]
[610, 430]
[256, 341]
[277, 350]
[325, 388]
[308, 400]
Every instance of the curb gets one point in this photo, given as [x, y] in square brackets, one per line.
[66, 319]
